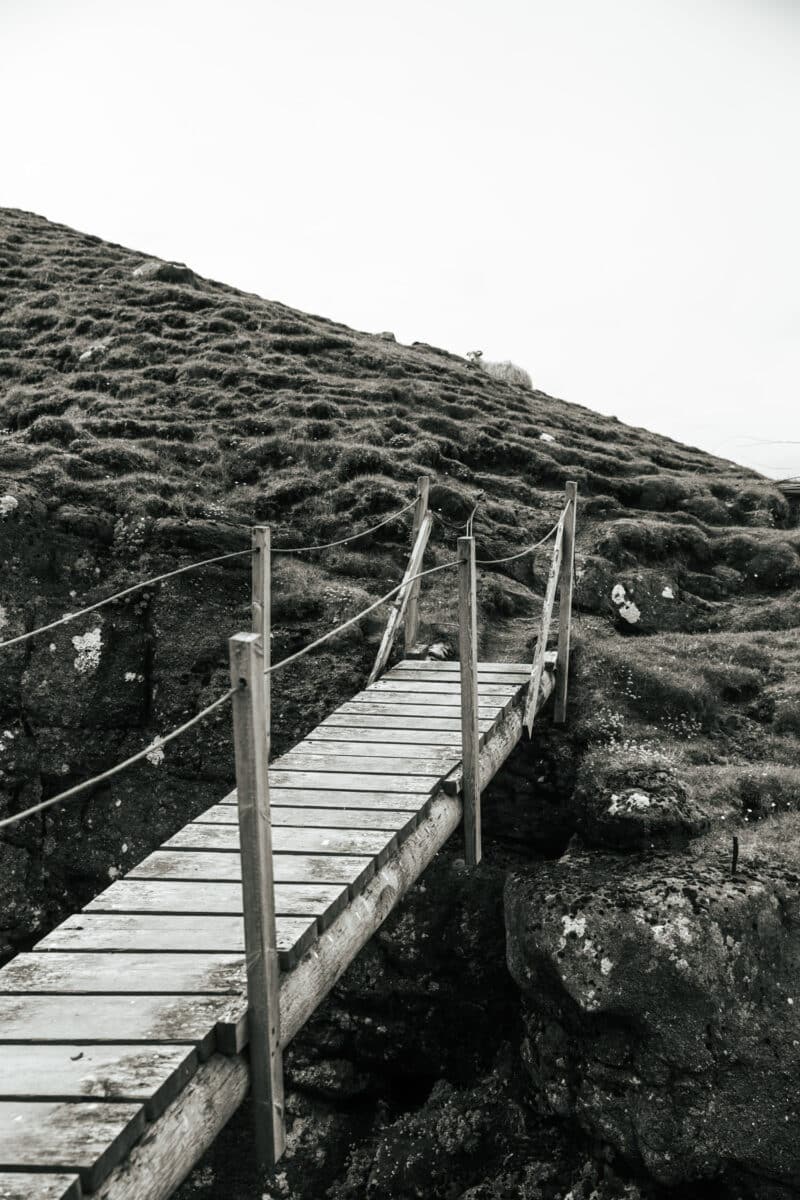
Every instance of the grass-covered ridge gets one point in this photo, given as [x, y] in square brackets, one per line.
[146, 414]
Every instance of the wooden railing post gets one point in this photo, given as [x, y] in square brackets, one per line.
[251, 745]
[565, 603]
[537, 666]
[412, 611]
[468, 656]
[260, 588]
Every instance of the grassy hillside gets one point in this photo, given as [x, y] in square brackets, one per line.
[146, 413]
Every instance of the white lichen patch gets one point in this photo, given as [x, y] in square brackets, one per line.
[570, 925]
[626, 608]
[155, 754]
[8, 505]
[132, 677]
[674, 933]
[3, 617]
[606, 966]
[635, 802]
[88, 646]
[668, 593]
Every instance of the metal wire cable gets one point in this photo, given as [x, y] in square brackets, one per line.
[23, 637]
[491, 562]
[112, 771]
[346, 624]
[341, 542]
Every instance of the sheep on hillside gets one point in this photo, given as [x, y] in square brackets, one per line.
[507, 371]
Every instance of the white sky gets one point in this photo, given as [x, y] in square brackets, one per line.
[606, 193]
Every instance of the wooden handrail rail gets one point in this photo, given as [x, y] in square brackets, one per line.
[537, 666]
[403, 596]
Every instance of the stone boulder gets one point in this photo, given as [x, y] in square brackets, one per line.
[662, 1011]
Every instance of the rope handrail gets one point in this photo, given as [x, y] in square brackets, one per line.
[364, 612]
[135, 587]
[156, 744]
[341, 541]
[491, 562]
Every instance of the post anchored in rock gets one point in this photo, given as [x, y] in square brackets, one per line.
[468, 656]
[251, 746]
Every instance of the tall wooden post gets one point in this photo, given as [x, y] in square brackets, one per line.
[565, 603]
[468, 655]
[412, 611]
[260, 589]
[251, 745]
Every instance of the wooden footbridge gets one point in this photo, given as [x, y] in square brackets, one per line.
[132, 1032]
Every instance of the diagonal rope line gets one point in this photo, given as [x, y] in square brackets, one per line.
[112, 771]
[23, 637]
[491, 562]
[341, 542]
[346, 624]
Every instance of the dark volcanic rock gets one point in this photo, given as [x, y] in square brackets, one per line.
[663, 1011]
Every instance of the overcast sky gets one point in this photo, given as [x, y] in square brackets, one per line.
[606, 193]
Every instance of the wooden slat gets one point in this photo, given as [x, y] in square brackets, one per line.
[329, 818]
[387, 704]
[336, 797]
[19, 1185]
[430, 679]
[87, 1139]
[434, 687]
[319, 900]
[178, 933]
[347, 842]
[432, 738]
[434, 665]
[227, 868]
[408, 768]
[115, 1018]
[352, 781]
[68, 973]
[397, 722]
[406, 752]
[149, 1075]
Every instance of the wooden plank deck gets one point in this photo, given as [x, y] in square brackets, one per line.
[106, 1021]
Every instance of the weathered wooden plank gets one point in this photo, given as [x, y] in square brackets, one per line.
[394, 764]
[320, 900]
[540, 650]
[311, 840]
[445, 666]
[355, 732]
[410, 752]
[434, 687]
[227, 868]
[84, 1138]
[387, 704]
[71, 972]
[329, 818]
[352, 781]
[400, 603]
[565, 604]
[438, 678]
[148, 1075]
[114, 1018]
[19, 1185]
[152, 933]
[411, 629]
[397, 723]
[335, 797]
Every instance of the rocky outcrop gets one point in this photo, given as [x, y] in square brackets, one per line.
[663, 1011]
